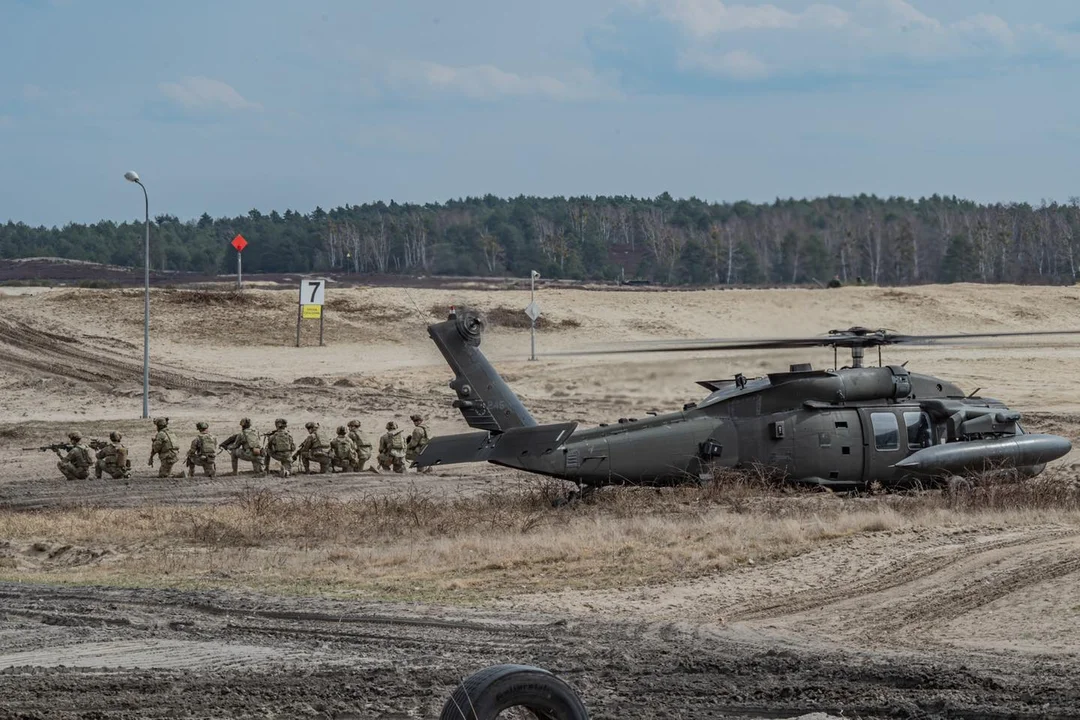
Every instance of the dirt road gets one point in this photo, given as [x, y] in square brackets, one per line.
[112, 653]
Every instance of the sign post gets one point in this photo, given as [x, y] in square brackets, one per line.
[239, 243]
[533, 311]
[312, 299]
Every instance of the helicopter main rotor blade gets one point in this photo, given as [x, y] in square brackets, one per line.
[837, 339]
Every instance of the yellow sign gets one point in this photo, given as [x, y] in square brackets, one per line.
[312, 312]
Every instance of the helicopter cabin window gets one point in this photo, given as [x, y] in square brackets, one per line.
[918, 429]
[886, 431]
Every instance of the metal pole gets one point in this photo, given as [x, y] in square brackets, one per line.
[532, 322]
[239, 270]
[299, 310]
[321, 313]
[146, 313]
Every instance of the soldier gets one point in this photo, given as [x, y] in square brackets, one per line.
[76, 464]
[280, 447]
[203, 451]
[392, 449]
[165, 447]
[246, 445]
[363, 446]
[314, 448]
[343, 452]
[113, 459]
[417, 441]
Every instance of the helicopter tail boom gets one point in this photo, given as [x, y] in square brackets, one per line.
[484, 399]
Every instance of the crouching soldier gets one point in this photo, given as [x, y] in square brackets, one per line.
[280, 446]
[362, 444]
[392, 449]
[203, 451]
[113, 459]
[315, 448]
[76, 464]
[417, 441]
[165, 447]
[246, 445]
[342, 452]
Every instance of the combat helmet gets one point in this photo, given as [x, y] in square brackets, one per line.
[416, 418]
[281, 422]
[161, 422]
[354, 423]
[201, 425]
[311, 425]
[391, 425]
[74, 436]
[115, 436]
[341, 430]
[245, 422]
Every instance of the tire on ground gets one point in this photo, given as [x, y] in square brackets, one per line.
[483, 695]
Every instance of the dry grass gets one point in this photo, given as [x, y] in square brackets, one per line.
[421, 545]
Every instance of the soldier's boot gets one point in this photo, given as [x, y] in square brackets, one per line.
[211, 469]
[306, 464]
[235, 466]
[324, 468]
[286, 468]
[399, 466]
[256, 468]
[165, 469]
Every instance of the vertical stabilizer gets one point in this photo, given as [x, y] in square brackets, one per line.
[484, 399]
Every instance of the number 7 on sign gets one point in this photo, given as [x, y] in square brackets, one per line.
[312, 292]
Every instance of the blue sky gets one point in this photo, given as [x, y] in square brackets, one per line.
[227, 105]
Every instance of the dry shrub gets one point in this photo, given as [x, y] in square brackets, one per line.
[212, 298]
[366, 311]
[508, 317]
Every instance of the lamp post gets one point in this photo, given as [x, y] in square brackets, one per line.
[133, 176]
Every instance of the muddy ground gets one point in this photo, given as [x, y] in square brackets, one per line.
[78, 653]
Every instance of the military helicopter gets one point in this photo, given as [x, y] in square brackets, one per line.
[841, 429]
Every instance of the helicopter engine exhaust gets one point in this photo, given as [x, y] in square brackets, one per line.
[1017, 451]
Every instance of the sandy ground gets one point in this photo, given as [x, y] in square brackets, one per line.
[971, 622]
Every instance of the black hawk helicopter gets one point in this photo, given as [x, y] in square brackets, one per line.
[841, 429]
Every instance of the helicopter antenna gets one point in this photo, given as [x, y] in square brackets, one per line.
[419, 312]
[973, 393]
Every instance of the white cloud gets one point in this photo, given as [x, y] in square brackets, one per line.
[203, 93]
[734, 64]
[703, 18]
[754, 41]
[487, 82]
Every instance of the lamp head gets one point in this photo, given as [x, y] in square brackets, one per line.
[131, 176]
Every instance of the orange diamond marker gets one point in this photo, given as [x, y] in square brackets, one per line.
[239, 243]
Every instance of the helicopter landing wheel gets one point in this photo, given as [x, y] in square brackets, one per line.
[513, 691]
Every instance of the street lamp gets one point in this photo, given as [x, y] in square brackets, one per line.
[132, 176]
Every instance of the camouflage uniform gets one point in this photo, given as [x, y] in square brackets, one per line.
[203, 452]
[113, 459]
[343, 452]
[165, 447]
[418, 440]
[76, 464]
[314, 448]
[392, 449]
[280, 446]
[247, 445]
[362, 444]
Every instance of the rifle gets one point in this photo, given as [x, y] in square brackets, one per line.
[228, 442]
[68, 447]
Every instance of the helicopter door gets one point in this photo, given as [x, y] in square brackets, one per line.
[886, 441]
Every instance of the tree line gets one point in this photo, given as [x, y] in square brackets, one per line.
[686, 241]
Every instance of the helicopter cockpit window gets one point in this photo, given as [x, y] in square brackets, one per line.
[886, 431]
[918, 429]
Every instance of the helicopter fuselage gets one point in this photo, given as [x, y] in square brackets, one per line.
[843, 429]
